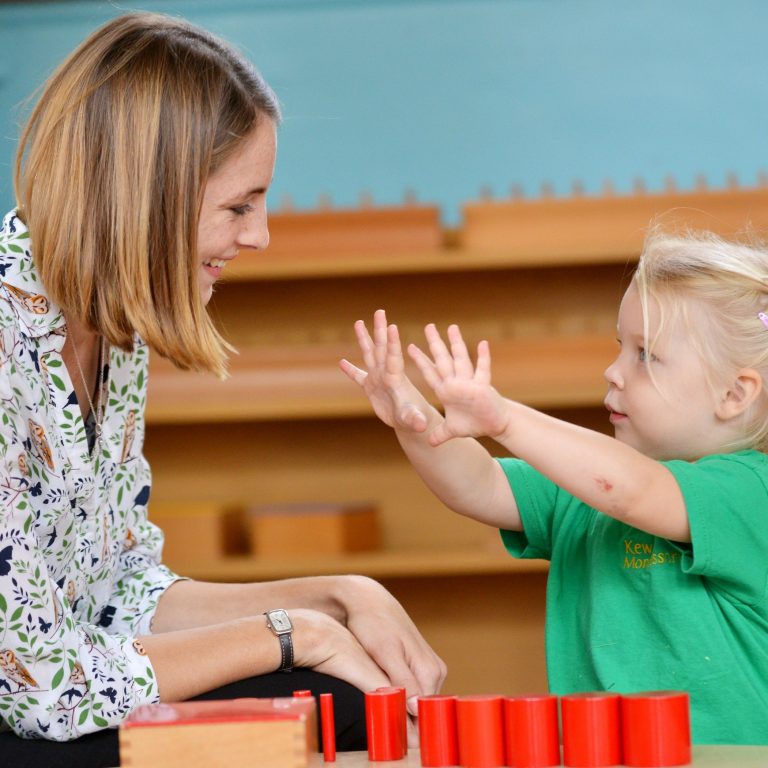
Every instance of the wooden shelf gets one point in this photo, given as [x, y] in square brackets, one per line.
[306, 382]
[504, 234]
[380, 565]
[256, 265]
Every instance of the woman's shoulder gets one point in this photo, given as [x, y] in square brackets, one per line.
[24, 303]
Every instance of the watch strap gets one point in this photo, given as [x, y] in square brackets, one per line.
[286, 652]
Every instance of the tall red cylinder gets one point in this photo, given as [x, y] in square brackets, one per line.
[438, 737]
[480, 728]
[531, 731]
[591, 729]
[328, 727]
[656, 728]
[383, 722]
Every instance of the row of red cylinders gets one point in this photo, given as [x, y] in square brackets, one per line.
[598, 729]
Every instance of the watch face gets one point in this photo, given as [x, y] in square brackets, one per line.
[280, 621]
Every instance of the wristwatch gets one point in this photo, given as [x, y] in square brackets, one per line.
[280, 624]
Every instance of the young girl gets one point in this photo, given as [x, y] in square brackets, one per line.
[657, 538]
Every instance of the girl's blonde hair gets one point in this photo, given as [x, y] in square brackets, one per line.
[110, 174]
[727, 282]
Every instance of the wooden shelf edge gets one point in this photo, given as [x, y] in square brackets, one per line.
[380, 565]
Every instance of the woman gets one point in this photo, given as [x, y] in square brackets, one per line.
[142, 171]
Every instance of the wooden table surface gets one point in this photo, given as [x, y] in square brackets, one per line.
[719, 756]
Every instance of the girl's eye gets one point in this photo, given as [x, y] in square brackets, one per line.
[241, 210]
[643, 355]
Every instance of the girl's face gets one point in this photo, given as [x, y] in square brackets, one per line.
[234, 210]
[673, 415]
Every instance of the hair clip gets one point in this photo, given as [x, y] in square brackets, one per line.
[763, 318]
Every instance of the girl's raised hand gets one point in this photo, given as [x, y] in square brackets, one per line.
[395, 400]
[473, 408]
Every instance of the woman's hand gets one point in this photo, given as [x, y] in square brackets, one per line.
[323, 644]
[385, 630]
[395, 400]
[473, 408]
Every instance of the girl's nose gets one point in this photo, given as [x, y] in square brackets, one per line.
[613, 376]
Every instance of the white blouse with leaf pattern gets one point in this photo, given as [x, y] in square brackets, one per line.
[80, 572]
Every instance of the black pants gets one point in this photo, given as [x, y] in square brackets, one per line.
[99, 750]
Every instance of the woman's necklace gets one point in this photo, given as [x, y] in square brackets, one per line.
[98, 416]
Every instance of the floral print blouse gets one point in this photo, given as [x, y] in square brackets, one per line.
[80, 572]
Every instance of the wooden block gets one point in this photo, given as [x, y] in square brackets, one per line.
[409, 229]
[195, 531]
[312, 529]
[270, 733]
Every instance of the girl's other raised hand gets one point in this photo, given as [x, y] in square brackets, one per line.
[473, 408]
[395, 400]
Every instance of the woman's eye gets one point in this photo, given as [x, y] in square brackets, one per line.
[241, 210]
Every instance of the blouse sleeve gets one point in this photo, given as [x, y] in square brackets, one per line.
[141, 579]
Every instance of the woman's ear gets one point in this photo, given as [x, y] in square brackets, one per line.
[743, 391]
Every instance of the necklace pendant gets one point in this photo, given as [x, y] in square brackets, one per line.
[97, 429]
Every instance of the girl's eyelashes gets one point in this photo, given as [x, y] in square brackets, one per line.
[644, 356]
[241, 210]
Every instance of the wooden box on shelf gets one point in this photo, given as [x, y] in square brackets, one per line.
[312, 529]
[579, 229]
[336, 232]
[196, 531]
[219, 734]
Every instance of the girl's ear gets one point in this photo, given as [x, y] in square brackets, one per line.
[744, 390]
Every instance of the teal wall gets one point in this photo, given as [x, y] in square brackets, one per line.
[445, 97]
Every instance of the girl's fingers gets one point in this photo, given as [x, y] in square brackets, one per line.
[426, 366]
[483, 368]
[461, 360]
[394, 364]
[380, 337]
[439, 435]
[413, 418]
[356, 374]
[365, 343]
[440, 354]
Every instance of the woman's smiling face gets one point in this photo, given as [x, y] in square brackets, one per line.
[234, 209]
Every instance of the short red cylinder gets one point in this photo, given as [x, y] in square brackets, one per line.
[531, 731]
[656, 728]
[480, 728]
[383, 722]
[438, 738]
[301, 694]
[591, 729]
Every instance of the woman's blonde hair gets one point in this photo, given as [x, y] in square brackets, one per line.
[727, 282]
[110, 174]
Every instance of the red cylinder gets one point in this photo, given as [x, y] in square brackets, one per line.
[656, 728]
[383, 716]
[531, 731]
[403, 711]
[438, 737]
[480, 728]
[301, 694]
[591, 729]
[328, 727]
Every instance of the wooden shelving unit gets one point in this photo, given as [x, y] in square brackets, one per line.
[541, 280]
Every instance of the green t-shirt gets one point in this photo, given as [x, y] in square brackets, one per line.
[628, 611]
